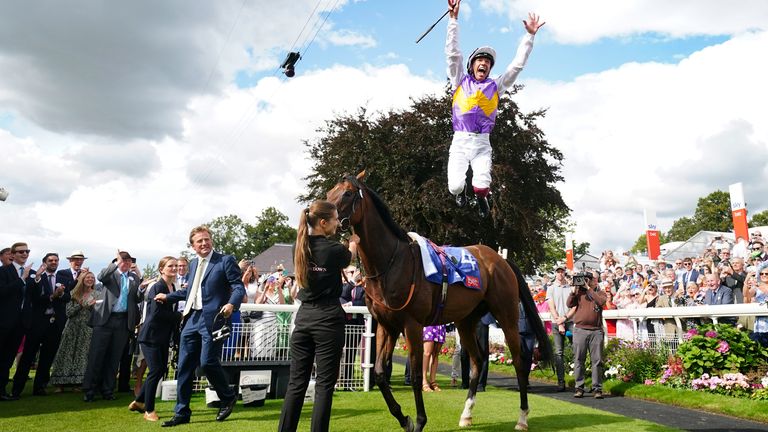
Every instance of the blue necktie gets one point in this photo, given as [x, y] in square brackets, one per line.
[122, 304]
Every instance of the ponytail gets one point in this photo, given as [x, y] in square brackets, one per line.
[309, 217]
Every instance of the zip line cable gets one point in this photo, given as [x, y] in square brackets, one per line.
[249, 115]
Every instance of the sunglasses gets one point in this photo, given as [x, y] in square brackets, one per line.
[763, 274]
[25, 251]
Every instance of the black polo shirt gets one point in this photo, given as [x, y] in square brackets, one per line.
[326, 261]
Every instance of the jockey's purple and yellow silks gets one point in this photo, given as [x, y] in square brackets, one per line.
[474, 108]
[475, 105]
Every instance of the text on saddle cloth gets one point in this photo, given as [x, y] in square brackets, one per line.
[460, 265]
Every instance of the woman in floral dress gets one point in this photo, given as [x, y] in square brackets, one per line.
[434, 338]
[69, 364]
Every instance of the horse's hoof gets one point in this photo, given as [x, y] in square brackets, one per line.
[521, 427]
[408, 424]
[465, 422]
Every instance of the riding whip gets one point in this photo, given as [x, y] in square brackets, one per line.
[432, 26]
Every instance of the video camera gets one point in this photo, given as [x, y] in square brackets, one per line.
[581, 279]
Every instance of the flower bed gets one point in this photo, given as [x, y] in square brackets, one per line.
[713, 358]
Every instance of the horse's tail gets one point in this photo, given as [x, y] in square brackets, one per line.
[532, 315]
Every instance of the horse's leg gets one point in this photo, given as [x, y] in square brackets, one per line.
[414, 334]
[508, 321]
[467, 331]
[385, 345]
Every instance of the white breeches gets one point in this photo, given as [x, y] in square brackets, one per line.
[469, 149]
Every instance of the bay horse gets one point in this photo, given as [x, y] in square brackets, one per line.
[401, 299]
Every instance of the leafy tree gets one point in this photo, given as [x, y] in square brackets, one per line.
[759, 219]
[405, 154]
[713, 212]
[682, 229]
[641, 245]
[230, 236]
[233, 236]
[271, 227]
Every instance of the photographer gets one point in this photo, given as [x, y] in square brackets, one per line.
[586, 303]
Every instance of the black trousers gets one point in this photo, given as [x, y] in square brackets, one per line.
[44, 336]
[157, 363]
[107, 345]
[319, 332]
[10, 339]
[482, 343]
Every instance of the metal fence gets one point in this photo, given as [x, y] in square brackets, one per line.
[265, 341]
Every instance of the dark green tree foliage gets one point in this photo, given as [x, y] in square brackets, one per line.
[682, 229]
[230, 236]
[405, 154]
[759, 219]
[713, 212]
[233, 236]
[271, 227]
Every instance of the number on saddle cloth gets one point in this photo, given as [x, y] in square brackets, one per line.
[460, 265]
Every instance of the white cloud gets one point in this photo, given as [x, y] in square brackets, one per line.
[658, 135]
[589, 20]
[348, 37]
[238, 154]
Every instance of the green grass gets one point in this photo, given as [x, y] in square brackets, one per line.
[496, 410]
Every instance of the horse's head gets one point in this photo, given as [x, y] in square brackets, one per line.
[347, 196]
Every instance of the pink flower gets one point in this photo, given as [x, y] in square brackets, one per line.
[711, 334]
[648, 382]
[723, 347]
[690, 333]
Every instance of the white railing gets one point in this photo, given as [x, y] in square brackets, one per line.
[255, 343]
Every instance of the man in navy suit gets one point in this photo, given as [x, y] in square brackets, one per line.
[114, 318]
[43, 318]
[214, 286]
[15, 279]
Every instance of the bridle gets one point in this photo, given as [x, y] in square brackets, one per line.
[345, 223]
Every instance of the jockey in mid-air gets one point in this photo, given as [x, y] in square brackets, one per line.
[475, 103]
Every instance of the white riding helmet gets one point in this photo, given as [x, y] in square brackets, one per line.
[483, 51]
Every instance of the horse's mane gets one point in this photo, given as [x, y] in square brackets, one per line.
[385, 214]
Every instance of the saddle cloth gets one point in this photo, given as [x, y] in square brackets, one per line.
[460, 265]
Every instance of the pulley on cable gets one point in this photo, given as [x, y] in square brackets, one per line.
[289, 64]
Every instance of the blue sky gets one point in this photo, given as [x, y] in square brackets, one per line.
[395, 25]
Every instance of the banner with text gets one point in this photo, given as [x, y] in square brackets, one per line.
[739, 212]
[652, 234]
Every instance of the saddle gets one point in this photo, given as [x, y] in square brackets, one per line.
[446, 264]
